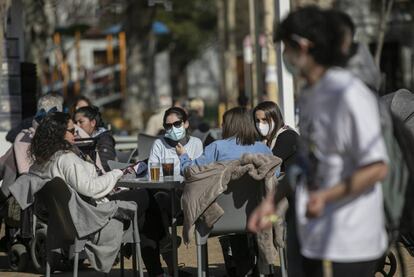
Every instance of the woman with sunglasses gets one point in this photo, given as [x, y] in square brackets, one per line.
[175, 124]
[53, 155]
[89, 119]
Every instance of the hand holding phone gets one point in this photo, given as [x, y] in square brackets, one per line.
[132, 168]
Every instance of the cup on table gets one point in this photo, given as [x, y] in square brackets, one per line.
[168, 168]
[155, 169]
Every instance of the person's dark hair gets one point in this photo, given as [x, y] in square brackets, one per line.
[76, 101]
[238, 123]
[180, 113]
[313, 24]
[345, 26]
[272, 113]
[92, 113]
[50, 137]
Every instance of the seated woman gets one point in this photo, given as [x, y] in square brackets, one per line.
[283, 141]
[239, 137]
[89, 119]
[51, 151]
[278, 136]
[175, 124]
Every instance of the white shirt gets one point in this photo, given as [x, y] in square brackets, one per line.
[341, 132]
[78, 174]
[161, 150]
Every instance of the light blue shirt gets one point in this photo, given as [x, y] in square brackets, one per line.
[223, 150]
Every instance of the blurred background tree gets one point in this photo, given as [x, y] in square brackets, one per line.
[192, 25]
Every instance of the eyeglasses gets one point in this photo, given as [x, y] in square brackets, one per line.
[72, 131]
[176, 124]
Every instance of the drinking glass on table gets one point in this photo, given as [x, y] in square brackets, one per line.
[155, 169]
[168, 168]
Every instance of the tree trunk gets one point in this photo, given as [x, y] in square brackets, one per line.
[40, 19]
[137, 25]
[178, 77]
[386, 9]
[4, 7]
[232, 90]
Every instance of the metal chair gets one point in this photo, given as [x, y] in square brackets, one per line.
[125, 156]
[145, 143]
[238, 201]
[55, 195]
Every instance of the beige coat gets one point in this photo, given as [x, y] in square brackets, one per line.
[203, 184]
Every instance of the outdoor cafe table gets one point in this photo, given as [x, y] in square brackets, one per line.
[170, 185]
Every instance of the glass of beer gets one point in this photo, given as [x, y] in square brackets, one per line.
[155, 169]
[168, 168]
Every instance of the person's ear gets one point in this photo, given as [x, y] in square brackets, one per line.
[186, 124]
[93, 123]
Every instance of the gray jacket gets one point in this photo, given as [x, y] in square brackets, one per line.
[99, 225]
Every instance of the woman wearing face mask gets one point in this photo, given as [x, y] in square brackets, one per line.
[278, 136]
[343, 158]
[283, 141]
[89, 119]
[175, 124]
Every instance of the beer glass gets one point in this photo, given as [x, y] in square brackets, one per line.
[155, 169]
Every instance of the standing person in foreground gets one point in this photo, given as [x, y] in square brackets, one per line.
[339, 203]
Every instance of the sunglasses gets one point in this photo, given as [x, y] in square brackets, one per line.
[72, 131]
[176, 124]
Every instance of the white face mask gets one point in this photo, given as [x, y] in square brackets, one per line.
[264, 128]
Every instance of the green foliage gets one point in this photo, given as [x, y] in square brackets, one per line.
[192, 24]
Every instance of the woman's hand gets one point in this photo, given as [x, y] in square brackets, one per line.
[180, 149]
[316, 204]
[263, 216]
[128, 170]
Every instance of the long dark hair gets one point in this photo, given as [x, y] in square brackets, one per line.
[238, 123]
[272, 113]
[50, 137]
[92, 113]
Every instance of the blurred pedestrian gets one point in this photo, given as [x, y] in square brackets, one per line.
[198, 126]
[79, 102]
[342, 155]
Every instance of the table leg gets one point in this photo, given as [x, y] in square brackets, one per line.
[174, 233]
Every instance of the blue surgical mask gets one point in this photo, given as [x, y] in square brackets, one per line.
[290, 67]
[175, 134]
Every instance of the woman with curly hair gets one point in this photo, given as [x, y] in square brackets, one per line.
[53, 156]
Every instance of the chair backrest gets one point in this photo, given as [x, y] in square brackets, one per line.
[238, 202]
[145, 143]
[125, 156]
[55, 195]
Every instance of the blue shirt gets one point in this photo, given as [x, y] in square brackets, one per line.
[223, 150]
